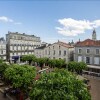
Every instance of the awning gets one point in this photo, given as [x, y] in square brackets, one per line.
[15, 57]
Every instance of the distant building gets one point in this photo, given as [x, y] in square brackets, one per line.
[20, 44]
[2, 49]
[58, 50]
[71, 43]
[88, 50]
[39, 52]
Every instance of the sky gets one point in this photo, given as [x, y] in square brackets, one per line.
[51, 20]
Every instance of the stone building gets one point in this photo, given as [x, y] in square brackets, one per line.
[58, 50]
[20, 44]
[2, 49]
[88, 50]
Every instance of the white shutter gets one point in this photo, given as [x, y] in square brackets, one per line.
[79, 58]
[96, 60]
[91, 60]
[85, 59]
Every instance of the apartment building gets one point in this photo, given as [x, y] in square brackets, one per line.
[88, 50]
[20, 44]
[2, 49]
[58, 50]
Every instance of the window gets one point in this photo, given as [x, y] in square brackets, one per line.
[49, 53]
[59, 47]
[1, 51]
[88, 51]
[46, 52]
[97, 51]
[64, 53]
[60, 52]
[53, 47]
[54, 52]
[13, 53]
[12, 47]
[79, 50]
[88, 60]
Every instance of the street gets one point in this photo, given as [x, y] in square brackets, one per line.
[2, 97]
[95, 87]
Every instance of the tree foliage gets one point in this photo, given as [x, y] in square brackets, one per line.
[41, 61]
[56, 63]
[52, 63]
[29, 58]
[59, 85]
[20, 75]
[1, 61]
[76, 66]
[3, 67]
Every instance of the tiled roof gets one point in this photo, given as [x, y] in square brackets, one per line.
[64, 44]
[88, 42]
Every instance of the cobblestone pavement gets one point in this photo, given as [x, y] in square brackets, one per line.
[95, 87]
[2, 97]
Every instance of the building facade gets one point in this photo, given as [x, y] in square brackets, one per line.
[88, 51]
[20, 44]
[2, 49]
[58, 50]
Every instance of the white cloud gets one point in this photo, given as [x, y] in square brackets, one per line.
[5, 19]
[72, 27]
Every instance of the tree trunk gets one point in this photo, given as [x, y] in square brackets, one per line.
[21, 96]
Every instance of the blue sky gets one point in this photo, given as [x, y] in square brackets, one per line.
[51, 20]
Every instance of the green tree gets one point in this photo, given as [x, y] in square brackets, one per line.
[29, 58]
[52, 63]
[81, 66]
[3, 67]
[59, 63]
[1, 61]
[41, 62]
[77, 66]
[59, 85]
[56, 63]
[21, 76]
[72, 66]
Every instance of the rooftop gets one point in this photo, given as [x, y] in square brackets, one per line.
[17, 33]
[88, 42]
[64, 44]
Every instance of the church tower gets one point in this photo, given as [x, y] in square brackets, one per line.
[94, 35]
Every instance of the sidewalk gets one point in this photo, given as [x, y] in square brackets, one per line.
[2, 91]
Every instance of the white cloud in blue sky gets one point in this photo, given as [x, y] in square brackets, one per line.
[72, 27]
[9, 20]
[5, 19]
